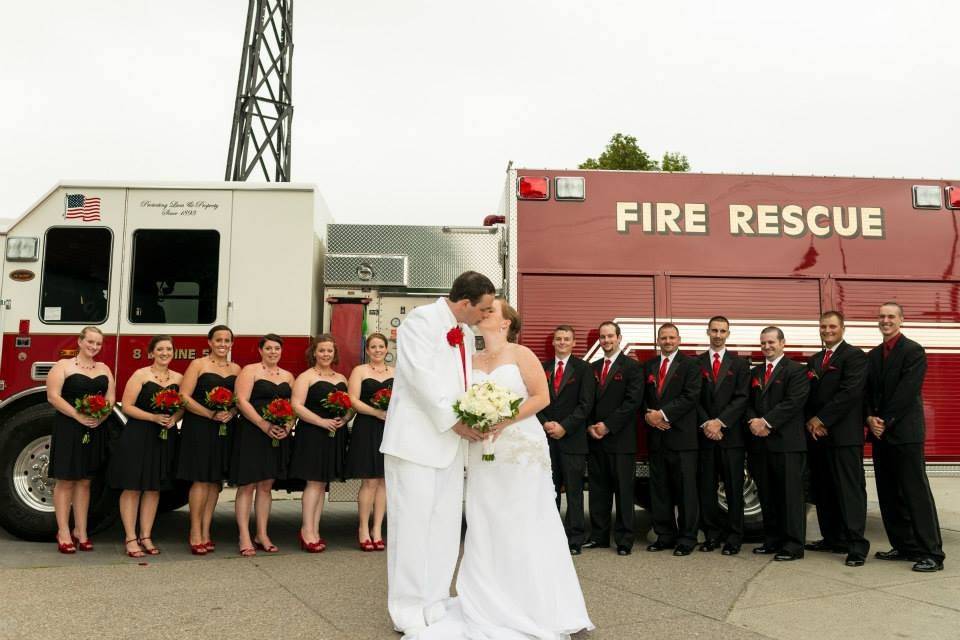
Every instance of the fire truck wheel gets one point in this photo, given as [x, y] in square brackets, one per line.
[173, 499]
[26, 493]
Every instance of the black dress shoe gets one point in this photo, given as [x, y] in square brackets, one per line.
[730, 549]
[765, 551]
[893, 554]
[574, 549]
[854, 560]
[659, 546]
[710, 545]
[786, 556]
[682, 550]
[928, 565]
[593, 544]
[823, 545]
[623, 550]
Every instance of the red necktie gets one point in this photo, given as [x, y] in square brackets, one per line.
[662, 377]
[826, 360]
[603, 374]
[716, 366]
[558, 376]
[766, 376]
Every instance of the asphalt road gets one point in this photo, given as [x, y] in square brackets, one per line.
[341, 593]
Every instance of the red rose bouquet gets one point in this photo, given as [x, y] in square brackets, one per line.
[167, 401]
[220, 399]
[338, 403]
[278, 412]
[381, 399]
[93, 405]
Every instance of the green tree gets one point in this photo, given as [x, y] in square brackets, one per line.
[623, 153]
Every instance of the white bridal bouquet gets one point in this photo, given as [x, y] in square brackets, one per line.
[484, 405]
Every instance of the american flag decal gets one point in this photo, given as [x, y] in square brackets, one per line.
[82, 207]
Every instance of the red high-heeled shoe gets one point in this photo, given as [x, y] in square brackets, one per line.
[367, 545]
[259, 546]
[86, 545]
[152, 551]
[139, 553]
[210, 545]
[310, 547]
[66, 547]
[198, 549]
[379, 545]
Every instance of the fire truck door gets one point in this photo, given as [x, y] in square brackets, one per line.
[176, 250]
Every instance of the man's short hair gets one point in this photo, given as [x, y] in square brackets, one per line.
[772, 329]
[722, 319]
[832, 314]
[565, 327]
[610, 323]
[668, 325]
[472, 286]
[899, 307]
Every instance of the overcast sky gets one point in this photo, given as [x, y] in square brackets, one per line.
[408, 112]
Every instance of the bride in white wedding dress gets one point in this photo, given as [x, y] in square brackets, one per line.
[516, 580]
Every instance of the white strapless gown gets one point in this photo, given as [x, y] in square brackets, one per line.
[517, 580]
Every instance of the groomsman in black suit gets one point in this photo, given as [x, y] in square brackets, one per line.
[672, 391]
[572, 392]
[895, 419]
[835, 420]
[723, 399]
[612, 432]
[778, 447]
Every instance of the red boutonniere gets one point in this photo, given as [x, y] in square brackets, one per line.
[618, 376]
[455, 337]
[651, 379]
[706, 374]
[596, 376]
[812, 375]
[755, 383]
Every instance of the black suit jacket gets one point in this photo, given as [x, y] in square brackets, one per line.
[836, 394]
[616, 405]
[681, 392]
[572, 405]
[780, 402]
[725, 399]
[893, 391]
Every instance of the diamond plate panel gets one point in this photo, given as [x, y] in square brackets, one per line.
[366, 270]
[435, 255]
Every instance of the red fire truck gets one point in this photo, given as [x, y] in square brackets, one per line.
[573, 247]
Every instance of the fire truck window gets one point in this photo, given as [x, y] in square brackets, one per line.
[175, 276]
[76, 275]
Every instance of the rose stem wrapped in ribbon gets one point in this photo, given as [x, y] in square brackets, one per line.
[280, 413]
[485, 405]
[381, 399]
[220, 399]
[94, 406]
[338, 403]
[167, 401]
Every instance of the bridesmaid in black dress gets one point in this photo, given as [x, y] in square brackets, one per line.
[364, 459]
[141, 464]
[320, 444]
[255, 462]
[78, 442]
[205, 435]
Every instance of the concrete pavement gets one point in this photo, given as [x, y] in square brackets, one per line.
[341, 593]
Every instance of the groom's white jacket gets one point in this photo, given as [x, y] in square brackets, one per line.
[429, 378]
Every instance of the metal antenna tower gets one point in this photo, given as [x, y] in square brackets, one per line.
[263, 113]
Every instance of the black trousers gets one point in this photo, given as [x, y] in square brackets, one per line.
[906, 503]
[611, 475]
[779, 478]
[840, 494]
[568, 472]
[674, 506]
[716, 465]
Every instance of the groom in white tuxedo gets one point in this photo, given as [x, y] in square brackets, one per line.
[423, 452]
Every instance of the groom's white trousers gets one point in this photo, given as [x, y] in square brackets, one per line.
[425, 511]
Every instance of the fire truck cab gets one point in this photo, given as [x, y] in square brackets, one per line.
[135, 260]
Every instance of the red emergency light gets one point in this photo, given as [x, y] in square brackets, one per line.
[533, 188]
[953, 197]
